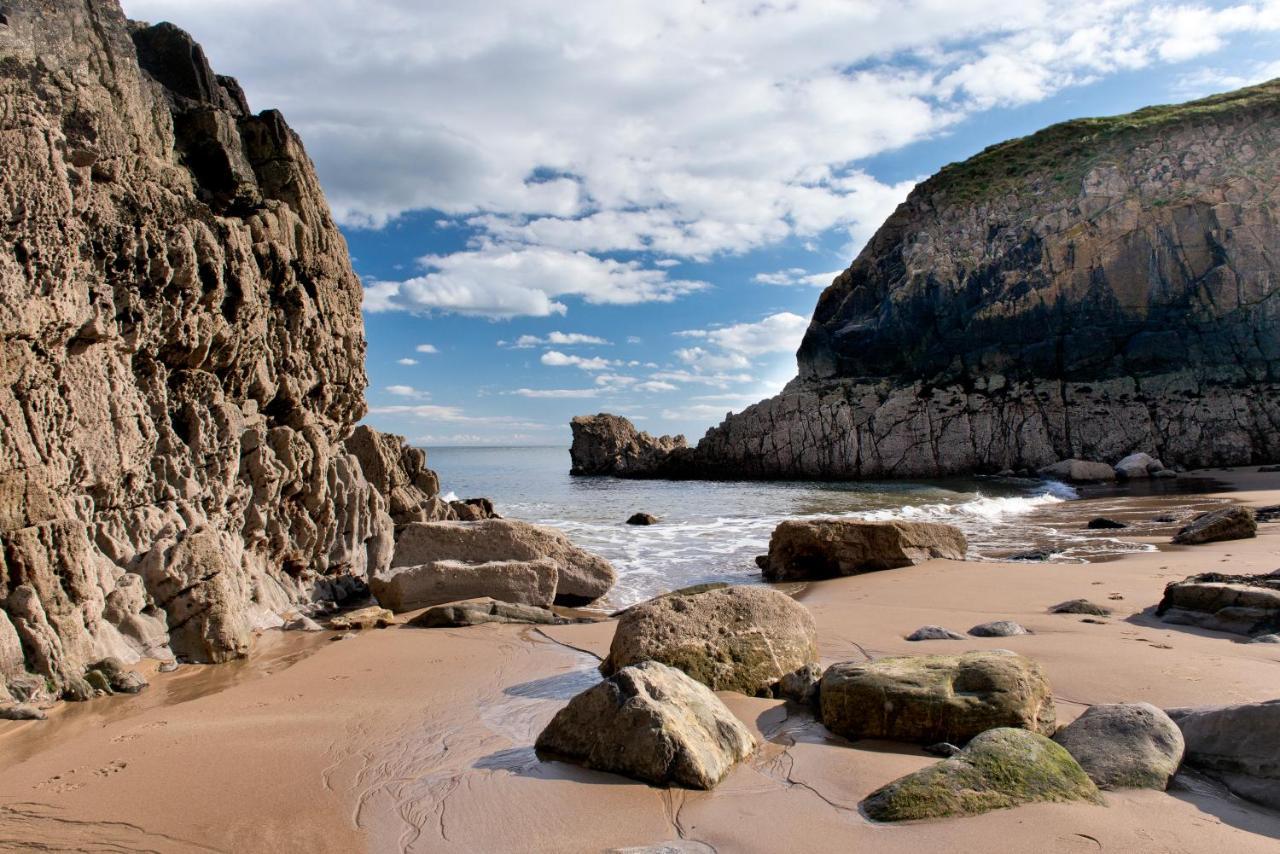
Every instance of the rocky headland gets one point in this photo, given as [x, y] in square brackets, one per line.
[1102, 287]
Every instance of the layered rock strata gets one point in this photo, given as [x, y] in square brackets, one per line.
[182, 352]
[1101, 287]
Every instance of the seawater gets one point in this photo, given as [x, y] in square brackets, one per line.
[712, 530]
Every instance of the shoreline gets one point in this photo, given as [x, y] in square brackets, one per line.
[420, 739]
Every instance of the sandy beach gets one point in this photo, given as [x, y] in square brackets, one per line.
[421, 740]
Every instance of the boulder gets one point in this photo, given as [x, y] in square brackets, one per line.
[372, 617]
[582, 576]
[475, 612]
[1080, 606]
[642, 519]
[743, 639]
[931, 698]
[1239, 745]
[1079, 471]
[607, 444]
[800, 686]
[651, 722]
[1102, 523]
[934, 633]
[998, 629]
[21, 712]
[1229, 523]
[115, 677]
[1240, 604]
[1272, 638]
[1125, 745]
[803, 549]
[301, 623]
[527, 582]
[1000, 768]
[1138, 466]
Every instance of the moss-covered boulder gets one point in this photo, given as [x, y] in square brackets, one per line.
[928, 699]
[1000, 768]
[743, 639]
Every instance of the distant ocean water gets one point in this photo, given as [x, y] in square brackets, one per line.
[712, 531]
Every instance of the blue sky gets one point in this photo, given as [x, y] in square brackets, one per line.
[560, 208]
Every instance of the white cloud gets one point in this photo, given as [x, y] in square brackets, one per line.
[406, 361]
[560, 339]
[556, 359]
[776, 333]
[796, 277]
[405, 391]
[504, 282]
[655, 385]
[557, 393]
[451, 414]
[426, 348]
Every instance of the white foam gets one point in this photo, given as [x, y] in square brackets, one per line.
[449, 496]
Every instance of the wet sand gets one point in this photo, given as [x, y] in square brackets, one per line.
[420, 740]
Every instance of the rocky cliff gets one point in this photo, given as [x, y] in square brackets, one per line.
[183, 361]
[1100, 287]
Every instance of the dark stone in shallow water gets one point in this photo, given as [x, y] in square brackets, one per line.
[643, 519]
[1102, 523]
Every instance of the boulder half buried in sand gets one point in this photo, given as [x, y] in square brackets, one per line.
[933, 698]
[743, 639]
[1125, 745]
[653, 723]
[1229, 523]
[803, 549]
[526, 582]
[475, 612]
[998, 769]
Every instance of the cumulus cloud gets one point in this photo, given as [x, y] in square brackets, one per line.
[556, 359]
[406, 361]
[776, 333]
[795, 277]
[405, 391]
[557, 393]
[426, 348]
[557, 339]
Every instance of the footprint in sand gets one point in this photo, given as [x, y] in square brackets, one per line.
[112, 768]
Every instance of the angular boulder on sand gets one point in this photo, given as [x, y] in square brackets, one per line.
[525, 582]
[653, 723]
[1229, 523]
[475, 612]
[1138, 466]
[1240, 604]
[1239, 745]
[1079, 471]
[1125, 745]
[582, 576]
[827, 548]
[932, 698]
[1081, 606]
[925, 633]
[998, 629]
[1000, 768]
[743, 639]
[372, 617]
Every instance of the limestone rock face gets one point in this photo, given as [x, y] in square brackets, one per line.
[827, 548]
[1000, 768]
[1242, 604]
[1239, 745]
[1125, 745]
[743, 639]
[1101, 287]
[935, 698]
[525, 582]
[653, 723]
[610, 444]
[582, 576]
[182, 356]
[1229, 523]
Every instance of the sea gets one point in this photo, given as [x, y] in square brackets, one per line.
[712, 530]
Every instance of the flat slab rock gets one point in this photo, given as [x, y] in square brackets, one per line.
[1239, 745]
[828, 548]
[526, 582]
[653, 723]
[1240, 604]
[935, 698]
[742, 638]
[1000, 768]
[475, 612]
[1125, 745]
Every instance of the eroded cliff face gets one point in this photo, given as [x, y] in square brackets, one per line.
[1101, 287]
[183, 360]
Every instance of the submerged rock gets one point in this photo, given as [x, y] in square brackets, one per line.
[1000, 768]
[527, 582]
[651, 722]
[1239, 745]
[998, 629]
[1241, 604]
[1102, 523]
[1125, 746]
[743, 639]
[932, 698]
[642, 519]
[1229, 523]
[826, 548]
[475, 612]
[582, 577]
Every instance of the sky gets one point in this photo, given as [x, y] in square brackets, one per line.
[559, 208]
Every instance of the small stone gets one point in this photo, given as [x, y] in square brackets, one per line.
[302, 623]
[643, 519]
[800, 686]
[934, 633]
[1272, 638]
[1080, 606]
[1268, 469]
[1036, 555]
[99, 681]
[998, 629]
[1102, 523]
[77, 690]
[168, 666]
[944, 749]
[363, 618]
